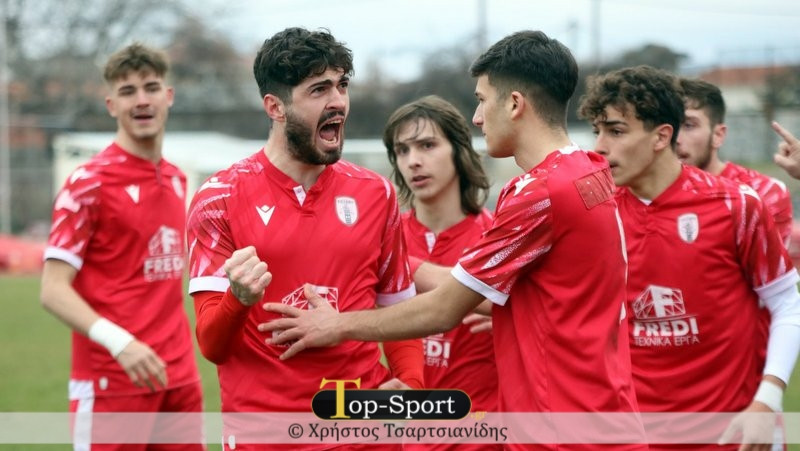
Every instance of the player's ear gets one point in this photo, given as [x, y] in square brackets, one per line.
[275, 108]
[718, 135]
[663, 137]
[516, 103]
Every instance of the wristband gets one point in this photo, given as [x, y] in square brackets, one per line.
[109, 335]
[771, 395]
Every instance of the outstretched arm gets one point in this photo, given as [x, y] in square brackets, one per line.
[425, 314]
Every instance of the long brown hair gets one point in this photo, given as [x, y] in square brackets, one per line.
[473, 184]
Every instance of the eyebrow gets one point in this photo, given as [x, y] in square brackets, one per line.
[419, 138]
[610, 123]
[329, 82]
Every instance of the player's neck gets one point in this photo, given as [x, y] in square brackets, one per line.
[302, 173]
[715, 166]
[657, 177]
[145, 148]
[441, 213]
[536, 143]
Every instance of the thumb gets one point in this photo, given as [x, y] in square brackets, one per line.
[314, 299]
[782, 160]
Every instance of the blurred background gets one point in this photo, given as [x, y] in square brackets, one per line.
[52, 113]
[52, 52]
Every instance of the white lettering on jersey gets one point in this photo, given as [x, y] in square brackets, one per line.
[347, 210]
[265, 212]
[437, 350]
[522, 183]
[133, 191]
[661, 319]
[165, 260]
[688, 227]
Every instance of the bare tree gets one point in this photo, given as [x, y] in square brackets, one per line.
[55, 47]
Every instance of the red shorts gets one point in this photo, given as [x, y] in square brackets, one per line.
[105, 429]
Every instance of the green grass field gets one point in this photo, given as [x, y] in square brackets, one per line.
[34, 359]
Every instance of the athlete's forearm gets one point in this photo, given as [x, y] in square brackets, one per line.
[60, 299]
[428, 313]
[406, 361]
[220, 322]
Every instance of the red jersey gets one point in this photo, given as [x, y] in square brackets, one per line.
[342, 235]
[696, 254]
[457, 358]
[120, 221]
[554, 265]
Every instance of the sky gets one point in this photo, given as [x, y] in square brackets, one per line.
[396, 35]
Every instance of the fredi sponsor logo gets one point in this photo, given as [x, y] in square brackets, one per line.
[347, 402]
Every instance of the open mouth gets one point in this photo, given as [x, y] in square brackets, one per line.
[330, 131]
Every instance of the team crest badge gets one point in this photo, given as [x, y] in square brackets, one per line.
[347, 210]
[688, 227]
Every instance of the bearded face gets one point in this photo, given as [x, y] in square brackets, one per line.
[301, 138]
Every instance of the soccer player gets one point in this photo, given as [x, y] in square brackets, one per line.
[701, 136]
[441, 176]
[556, 315]
[294, 212]
[114, 264]
[788, 155]
[702, 253]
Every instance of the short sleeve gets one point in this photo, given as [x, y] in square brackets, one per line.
[394, 276]
[759, 246]
[209, 237]
[520, 234]
[75, 216]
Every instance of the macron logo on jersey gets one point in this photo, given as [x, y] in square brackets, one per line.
[133, 191]
[265, 212]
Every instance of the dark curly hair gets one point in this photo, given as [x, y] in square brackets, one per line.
[654, 95]
[135, 58]
[473, 184]
[702, 95]
[540, 68]
[294, 54]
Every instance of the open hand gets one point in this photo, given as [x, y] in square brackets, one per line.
[143, 365]
[318, 326]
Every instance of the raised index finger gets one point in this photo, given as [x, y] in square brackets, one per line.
[785, 134]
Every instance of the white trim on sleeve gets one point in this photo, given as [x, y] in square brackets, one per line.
[209, 283]
[476, 285]
[64, 255]
[787, 280]
[387, 299]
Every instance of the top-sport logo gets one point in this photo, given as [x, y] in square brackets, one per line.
[349, 404]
